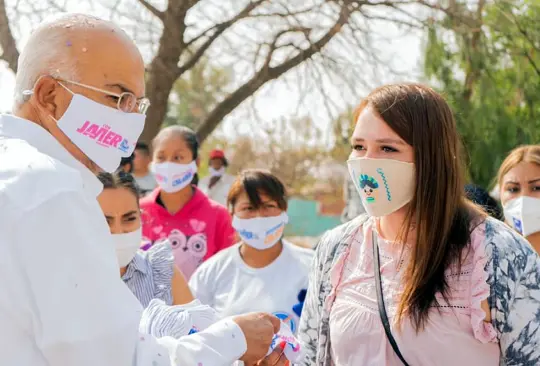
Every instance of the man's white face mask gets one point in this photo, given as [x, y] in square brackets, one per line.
[104, 134]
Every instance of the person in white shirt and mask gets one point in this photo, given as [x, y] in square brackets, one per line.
[263, 272]
[519, 182]
[79, 109]
[216, 185]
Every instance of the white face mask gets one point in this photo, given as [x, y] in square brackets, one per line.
[216, 172]
[127, 245]
[384, 185]
[172, 177]
[523, 214]
[261, 232]
[104, 134]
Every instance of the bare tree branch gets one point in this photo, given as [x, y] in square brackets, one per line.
[10, 54]
[152, 9]
[218, 31]
[267, 73]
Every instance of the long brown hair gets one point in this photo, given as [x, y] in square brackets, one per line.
[439, 210]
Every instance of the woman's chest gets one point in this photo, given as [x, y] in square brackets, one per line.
[273, 294]
[189, 237]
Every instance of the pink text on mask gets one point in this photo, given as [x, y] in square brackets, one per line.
[103, 135]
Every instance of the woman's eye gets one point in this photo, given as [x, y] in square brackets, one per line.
[388, 149]
[537, 188]
[358, 147]
[512, 189]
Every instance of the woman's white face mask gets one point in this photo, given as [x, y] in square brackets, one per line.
[127, 245]
[261, 232]
[523, 214]
[172, 177]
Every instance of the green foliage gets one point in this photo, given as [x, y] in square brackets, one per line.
[196, 93]
[489, 74]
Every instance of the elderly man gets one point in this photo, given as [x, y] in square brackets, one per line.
[80, 109]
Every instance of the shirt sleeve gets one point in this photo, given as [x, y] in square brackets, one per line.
[82, 313]
[514, 279]
[311, 308]
[219, 345]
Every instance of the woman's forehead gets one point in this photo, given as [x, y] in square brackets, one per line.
[522, 173]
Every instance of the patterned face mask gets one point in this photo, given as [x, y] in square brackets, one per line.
[385, 185]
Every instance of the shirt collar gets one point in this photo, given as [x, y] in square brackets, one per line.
[35, 135]
[137, 264]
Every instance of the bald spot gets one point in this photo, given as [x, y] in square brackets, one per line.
[103, 54]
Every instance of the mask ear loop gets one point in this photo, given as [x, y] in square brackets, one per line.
[29, 92]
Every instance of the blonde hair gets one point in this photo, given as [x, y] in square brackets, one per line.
[526, 153]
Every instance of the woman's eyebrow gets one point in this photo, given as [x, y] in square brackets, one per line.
[390, 141]
[129, 213]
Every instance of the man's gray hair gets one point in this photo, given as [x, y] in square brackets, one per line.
[48, 52]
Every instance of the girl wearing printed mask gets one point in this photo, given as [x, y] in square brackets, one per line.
[426, 262]
[262, 272]
[151, 274]
[195, 226]
[519, 179]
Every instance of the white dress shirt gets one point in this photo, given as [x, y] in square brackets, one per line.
[220, 190]
[62, 301]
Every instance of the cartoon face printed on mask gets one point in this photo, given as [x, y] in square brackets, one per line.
[189, 251]
[369, 188]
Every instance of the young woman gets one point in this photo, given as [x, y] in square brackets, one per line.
[262, 272]
[177, 211]
[457, 287]
[150, 274]
[519, 179]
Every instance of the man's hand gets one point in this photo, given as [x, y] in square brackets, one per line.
[259, 330]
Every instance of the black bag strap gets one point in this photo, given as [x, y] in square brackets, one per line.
[380, 299]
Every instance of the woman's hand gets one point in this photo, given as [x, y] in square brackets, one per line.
[276, 358]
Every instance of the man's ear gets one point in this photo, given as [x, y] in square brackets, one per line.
[45, 92]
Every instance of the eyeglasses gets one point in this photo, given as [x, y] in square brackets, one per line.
[127, 101]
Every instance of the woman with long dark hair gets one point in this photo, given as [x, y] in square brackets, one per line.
[427, 278]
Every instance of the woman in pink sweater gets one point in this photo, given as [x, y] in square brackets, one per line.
[177, 210]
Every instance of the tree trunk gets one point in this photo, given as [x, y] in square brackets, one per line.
[10, 54]
[163, 70]
[158, 88]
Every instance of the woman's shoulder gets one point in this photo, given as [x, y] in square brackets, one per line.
[502, 244]
[149, 200]
[300, 254]
[160, 252]
[340, 235]
[207, 203]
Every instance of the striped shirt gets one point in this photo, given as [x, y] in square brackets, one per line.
[149, 274]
